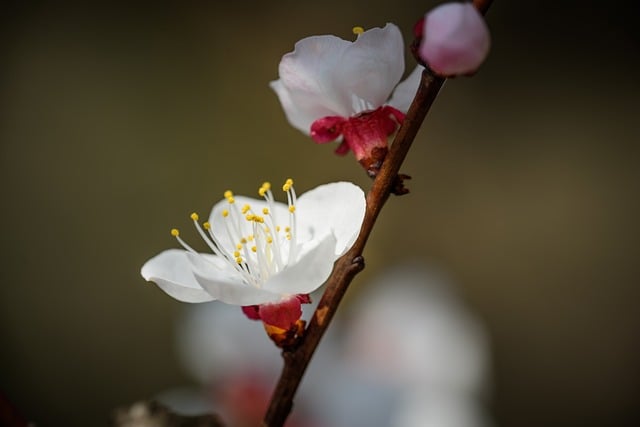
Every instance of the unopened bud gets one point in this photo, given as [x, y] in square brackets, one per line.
[455, 39]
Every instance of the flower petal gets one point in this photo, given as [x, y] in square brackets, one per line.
[308, 273]
[455, 40]
[302, 112]
[224, 288]
[171, 271]
[371, 67]
[336, 208]
[309, 75]
[405, 92]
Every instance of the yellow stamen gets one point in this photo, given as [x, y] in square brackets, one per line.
[254, 249]
[292, 209]
[287, 185]
[265, 211]
[357, 30]
[243, 240]
[194, 216]
[239, 260]
[225, 213]
[246, 209]
[228, 194]
[175, 232]
[266, 186]
[206, 226]
[236, 254]
[239, 246]
[269, 239]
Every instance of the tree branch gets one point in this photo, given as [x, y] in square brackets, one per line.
[297, 359]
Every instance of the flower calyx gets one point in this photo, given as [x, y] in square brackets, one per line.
[366, 134]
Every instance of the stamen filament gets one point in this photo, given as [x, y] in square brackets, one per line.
[257, 250]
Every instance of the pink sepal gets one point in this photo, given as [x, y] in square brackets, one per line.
[284, 314]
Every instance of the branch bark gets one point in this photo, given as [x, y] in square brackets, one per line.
[345, 269]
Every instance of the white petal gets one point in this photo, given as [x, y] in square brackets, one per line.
[405, 92]
[302, 113]
[308, 273]
[328, 76]
[337, 208]
[230, 290]
[171, 271]
[310, 74]
[372, 66]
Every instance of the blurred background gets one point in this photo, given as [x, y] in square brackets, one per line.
[118, 120]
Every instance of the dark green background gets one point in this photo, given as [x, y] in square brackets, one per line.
[119, 120]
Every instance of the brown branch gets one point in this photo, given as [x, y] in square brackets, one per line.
[346, 267]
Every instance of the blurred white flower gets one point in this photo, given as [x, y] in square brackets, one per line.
[408, 354]
[428, 408]
[411, 330]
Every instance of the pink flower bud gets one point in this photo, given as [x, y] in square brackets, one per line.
[455, 39]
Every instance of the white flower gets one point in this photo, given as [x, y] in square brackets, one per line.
[264, 252]
[331, 88]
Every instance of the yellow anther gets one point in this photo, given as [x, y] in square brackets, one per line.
[206, 226]
[269, 239]
[266, 186]
[288, 236]
[292, 209]
[243, 241]
[225, 213]
[194, 216]
[250, 217]
[287, 229]
[277, 228]
[239, 260]
[175, 232]
[236, 254]
[250, 237]
[254, 249]
[287, 185]
[228, 194]
[357, 30]
[258, 219]
[231, 200]
[265, 211]
[246, 209]
[239, 246]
